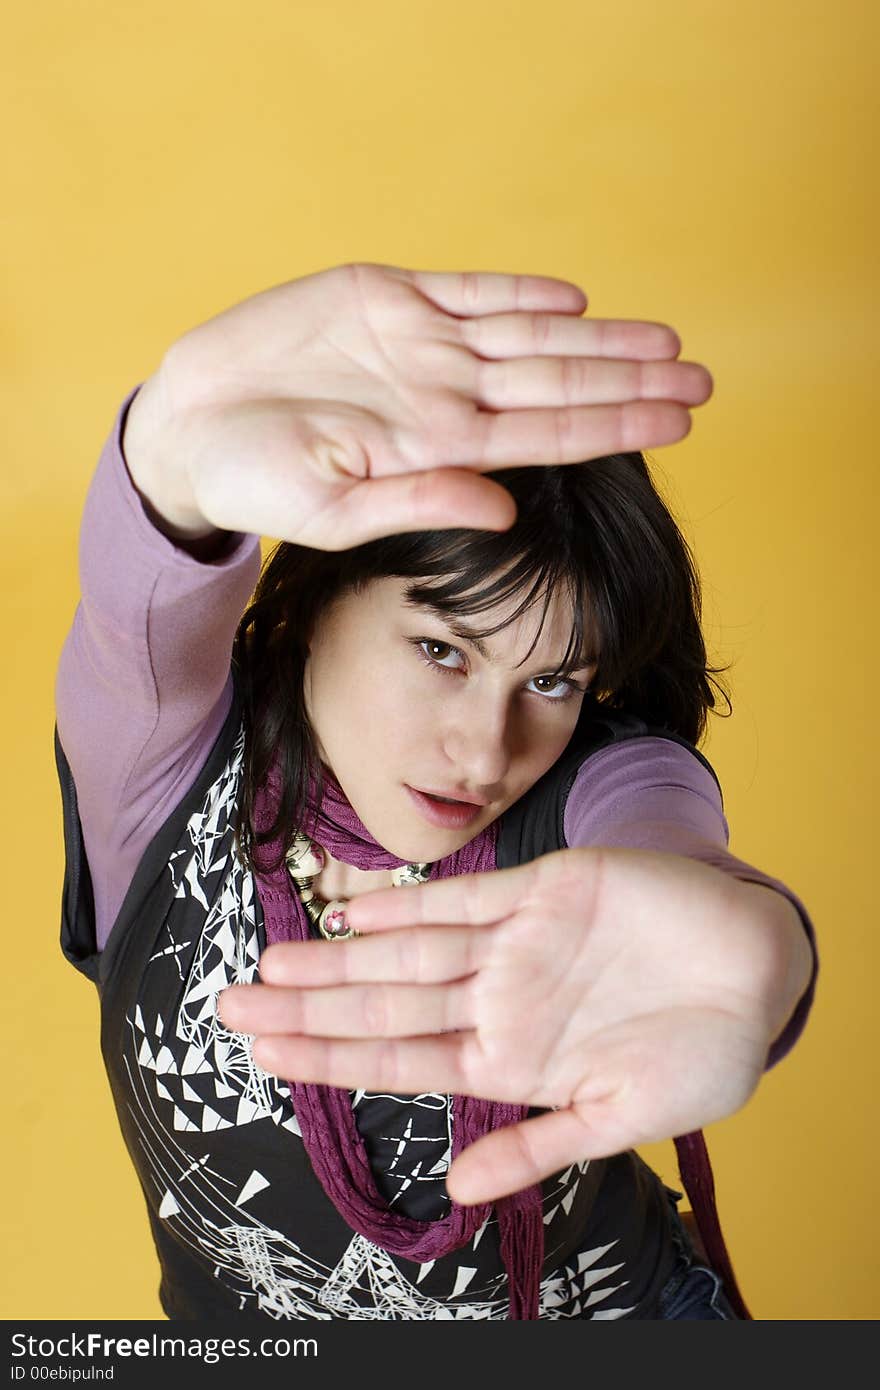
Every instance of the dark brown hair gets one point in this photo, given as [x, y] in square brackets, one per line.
[599, 528]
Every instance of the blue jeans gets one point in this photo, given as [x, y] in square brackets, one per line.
[693, 1290]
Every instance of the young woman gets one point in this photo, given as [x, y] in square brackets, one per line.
[473, 671]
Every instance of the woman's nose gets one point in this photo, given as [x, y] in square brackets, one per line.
[479, 748]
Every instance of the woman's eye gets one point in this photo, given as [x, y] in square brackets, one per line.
[438, 653]
[555, 689]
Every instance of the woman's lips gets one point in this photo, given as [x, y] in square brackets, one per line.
[450, 815]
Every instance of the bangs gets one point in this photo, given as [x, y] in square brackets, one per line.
[453, 588]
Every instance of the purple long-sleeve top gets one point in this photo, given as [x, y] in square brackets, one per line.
[144, 686]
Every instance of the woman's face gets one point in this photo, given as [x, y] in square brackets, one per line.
[402, 704]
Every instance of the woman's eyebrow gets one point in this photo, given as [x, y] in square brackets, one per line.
[458, 629]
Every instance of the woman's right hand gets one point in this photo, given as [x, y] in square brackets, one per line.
[366, 400]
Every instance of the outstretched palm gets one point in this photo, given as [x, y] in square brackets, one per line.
[368, 399]
[625, 989]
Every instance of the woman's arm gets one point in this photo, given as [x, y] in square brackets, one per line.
[143, 683]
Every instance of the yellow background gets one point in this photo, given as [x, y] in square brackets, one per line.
[695, 162]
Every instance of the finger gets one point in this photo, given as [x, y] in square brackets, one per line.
[474, 899]
[483, 440]
[553, 381]
[471, 292]
[404, 1067]
[420, 501]
[573, 434]
[429, 955]
[552, 335]
[509, 1159]
[348, 1011]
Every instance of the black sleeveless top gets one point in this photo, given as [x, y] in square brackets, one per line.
[240, 1222]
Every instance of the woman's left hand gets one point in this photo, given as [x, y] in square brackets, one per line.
[635, 994]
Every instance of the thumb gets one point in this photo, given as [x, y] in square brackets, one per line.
[435, 499]
[509, 1159]
[303, 474]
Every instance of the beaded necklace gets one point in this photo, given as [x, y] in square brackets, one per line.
[305, 860]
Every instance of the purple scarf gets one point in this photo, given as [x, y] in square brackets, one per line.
[325, 1115]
